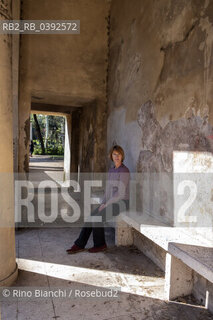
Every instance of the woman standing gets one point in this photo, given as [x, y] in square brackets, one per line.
[116, 198]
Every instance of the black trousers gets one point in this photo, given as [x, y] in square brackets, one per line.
[107, 214]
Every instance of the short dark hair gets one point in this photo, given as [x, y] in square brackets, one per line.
[119, 149]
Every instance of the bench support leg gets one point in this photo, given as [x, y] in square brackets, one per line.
[123, 233]
[209, 297]
[178, 278]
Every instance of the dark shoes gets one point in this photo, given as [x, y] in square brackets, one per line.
[74, 249]
[98, 249]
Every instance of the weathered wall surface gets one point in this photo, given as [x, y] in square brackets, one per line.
[160, 79]
[160, 99]
[67, 70]
[87, 138]
[160, 91]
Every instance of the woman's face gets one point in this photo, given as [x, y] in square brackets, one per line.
[117, 158]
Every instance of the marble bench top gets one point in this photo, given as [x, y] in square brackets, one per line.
[198, 258]
[184, 243]
[163, 234]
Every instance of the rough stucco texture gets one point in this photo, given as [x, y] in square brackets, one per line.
[161, 54]
[187, 134]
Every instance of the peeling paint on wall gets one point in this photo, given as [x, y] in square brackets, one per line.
[207, 47]
[186, 134]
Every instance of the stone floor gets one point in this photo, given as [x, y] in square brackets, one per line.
[45, 168]
[44, 264]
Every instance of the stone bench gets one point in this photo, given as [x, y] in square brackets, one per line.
[182, 260]
[185, 252]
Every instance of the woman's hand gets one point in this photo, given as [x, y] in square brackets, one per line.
[102, 206]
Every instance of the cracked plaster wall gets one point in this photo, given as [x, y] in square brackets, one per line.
[160, 51]
[160, 81]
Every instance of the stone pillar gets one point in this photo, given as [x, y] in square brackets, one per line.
[15, 77]
[178, 278]
[123, 233]
[75, 143]
[67, 148]
[8, 267]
